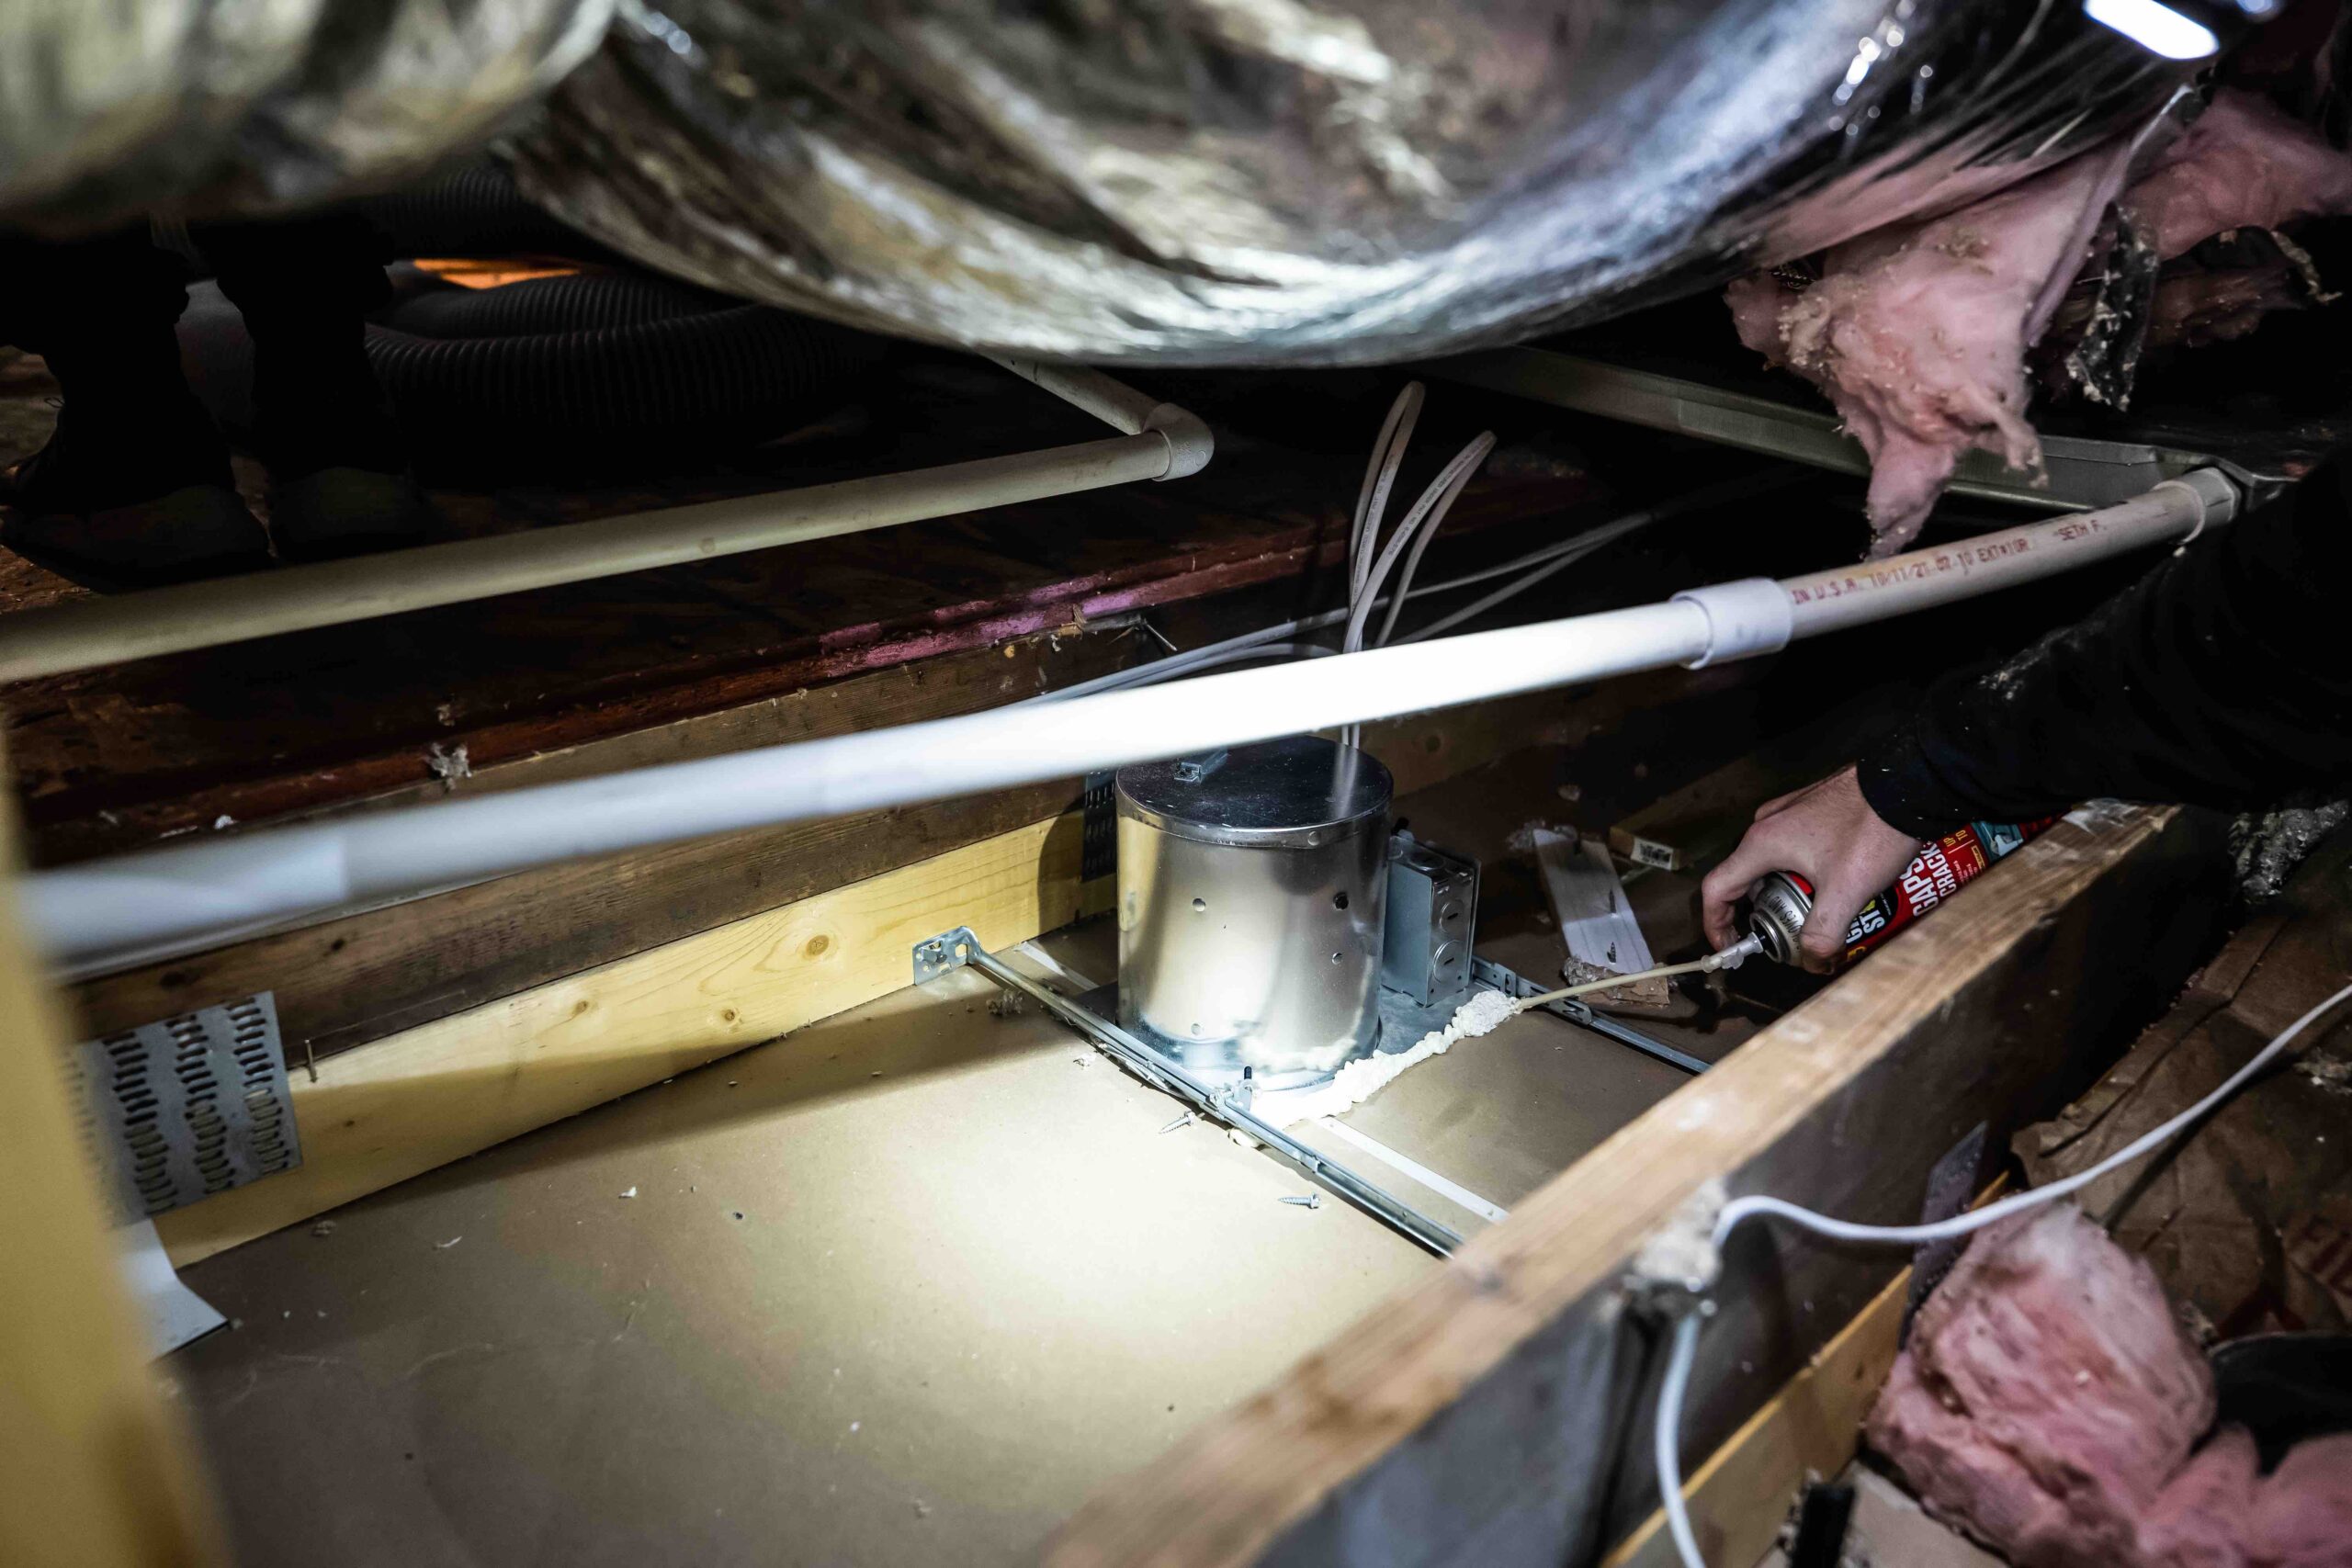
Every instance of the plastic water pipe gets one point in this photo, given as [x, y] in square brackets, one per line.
[1160, 441]
[131, 904]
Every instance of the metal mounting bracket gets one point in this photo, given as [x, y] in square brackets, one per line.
[959, 949]
[936, 955]
[1511, 983]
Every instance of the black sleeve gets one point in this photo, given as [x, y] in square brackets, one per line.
[2223, 678]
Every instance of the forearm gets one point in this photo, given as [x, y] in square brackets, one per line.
[2222, 678]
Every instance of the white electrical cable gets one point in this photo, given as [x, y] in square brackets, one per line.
[1525, 571]
[1573, 550]
[1263, 650]
[1184, 662]
[1379, 474]
[1470, 459]
[1435, 503]
[1676, 1384]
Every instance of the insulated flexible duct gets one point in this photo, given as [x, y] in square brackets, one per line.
[648, 373]
[473, 210]
[595, 369]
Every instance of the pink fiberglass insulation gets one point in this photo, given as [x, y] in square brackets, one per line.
[2302, 1514]
[2200, 1519]
[2047, 1404]
[2047, 1394]
[2245, 163]
[1917, 332]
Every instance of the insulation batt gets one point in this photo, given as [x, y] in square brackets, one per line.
[2048, 1403]
[1918, 332]
[2245, 164]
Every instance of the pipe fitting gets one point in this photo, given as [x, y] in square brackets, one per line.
[1746, 618]
[2218, 500]
[1190, 443]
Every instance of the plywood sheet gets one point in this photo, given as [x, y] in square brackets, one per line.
[971, 1280]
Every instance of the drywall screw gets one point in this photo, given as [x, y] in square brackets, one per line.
[1183, 1121]
[1312, 1200]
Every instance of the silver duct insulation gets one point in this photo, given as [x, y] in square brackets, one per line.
[1178, 181]
[1239, 181]
[111, 109]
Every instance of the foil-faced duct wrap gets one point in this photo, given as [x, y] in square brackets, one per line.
[113, 109]
[1300, 181]
[1177, 181]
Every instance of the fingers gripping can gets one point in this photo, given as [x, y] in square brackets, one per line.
[1781, 902]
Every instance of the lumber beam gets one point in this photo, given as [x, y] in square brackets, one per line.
[1493, 1412]
[344, 981]
[459, 1079]
[453, 1087]
[93, 1468]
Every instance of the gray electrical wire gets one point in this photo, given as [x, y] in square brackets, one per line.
[1526, 570]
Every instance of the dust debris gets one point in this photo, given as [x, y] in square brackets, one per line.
[1007, 1004]
[923, 1509]
[2333, 1074]
[2267, 846]
[446, 1246]
[631, 1193]
[448, 764]
[1681, 1253]
[324, 1228]
[224, 820]
[1522, 838]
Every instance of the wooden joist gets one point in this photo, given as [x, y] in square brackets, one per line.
[1493, 1414]
[93, 1468]
[445, 1089]
[344, 981]
[449, 1089]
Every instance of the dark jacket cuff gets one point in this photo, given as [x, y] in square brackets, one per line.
[1902, 785]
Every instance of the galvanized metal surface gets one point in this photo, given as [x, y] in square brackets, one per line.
[2078, 474]
[1228, 1104]
[189, 1105]
[1250, 907]
[1428, 927]
[1511, 983]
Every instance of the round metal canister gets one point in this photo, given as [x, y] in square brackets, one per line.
[1779, 906]
[1251, 888]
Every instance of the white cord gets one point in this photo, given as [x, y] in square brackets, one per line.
[1185, 663]
[1427, 513]
[1372, 501]
[1483, 445]
[1676, 1384]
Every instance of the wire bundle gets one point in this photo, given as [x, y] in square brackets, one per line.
[1370, 562]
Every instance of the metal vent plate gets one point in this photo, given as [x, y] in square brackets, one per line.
[189, 1106]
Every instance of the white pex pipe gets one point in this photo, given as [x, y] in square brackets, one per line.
[1160, 441]
[133, 904]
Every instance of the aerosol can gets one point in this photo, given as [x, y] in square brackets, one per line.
[1783, 902]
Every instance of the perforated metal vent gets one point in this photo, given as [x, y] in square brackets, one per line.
[190, 1106]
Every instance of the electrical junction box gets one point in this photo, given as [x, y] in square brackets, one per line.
[1432, 912]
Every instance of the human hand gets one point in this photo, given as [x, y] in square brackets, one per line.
[1825, 833]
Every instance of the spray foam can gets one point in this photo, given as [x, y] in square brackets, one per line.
[1781, 902]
